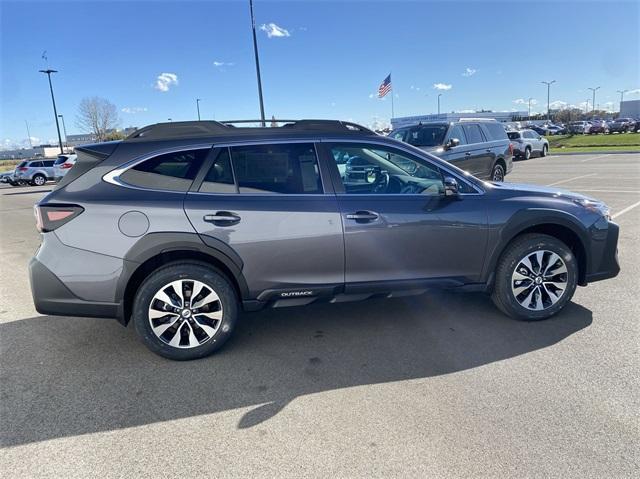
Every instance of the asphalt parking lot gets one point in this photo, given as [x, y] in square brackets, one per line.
[432, 386]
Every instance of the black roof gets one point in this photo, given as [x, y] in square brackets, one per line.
[197, 129]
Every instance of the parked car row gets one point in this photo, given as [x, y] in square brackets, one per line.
[37, 172]
[595, 126]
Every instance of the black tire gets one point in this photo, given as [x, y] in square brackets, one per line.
[503, 295]
[191, 270]
[38, 180]
[527, 153]
[545, 150]
[497, 174]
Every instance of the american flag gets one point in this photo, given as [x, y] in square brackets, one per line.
[385, 86]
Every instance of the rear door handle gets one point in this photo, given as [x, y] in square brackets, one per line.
[222, 218]
[362, 216]
[468, 153]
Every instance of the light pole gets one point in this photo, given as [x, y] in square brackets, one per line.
[622, 92]
[53, 100]
[255, 52]
[64, 128]
[198, 107]
[548, 83]
[439, 95]
[586, 106]
[28, 133]
[593, 102]
[529, 115]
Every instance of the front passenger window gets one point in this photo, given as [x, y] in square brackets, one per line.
[375, 169]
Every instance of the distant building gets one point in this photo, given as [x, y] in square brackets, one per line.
[630, 109]
[501, 116]
[82, 139]
[43, 151]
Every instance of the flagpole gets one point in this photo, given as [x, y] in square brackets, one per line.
[392, 112]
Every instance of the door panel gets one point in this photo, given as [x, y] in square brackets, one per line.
[414, 237]
[284, 241]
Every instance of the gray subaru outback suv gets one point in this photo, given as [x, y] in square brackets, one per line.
[182, 225]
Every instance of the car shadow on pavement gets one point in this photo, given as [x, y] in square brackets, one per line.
[69, 376]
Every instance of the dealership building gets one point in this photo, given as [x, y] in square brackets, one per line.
[501, 116]
[630, 109]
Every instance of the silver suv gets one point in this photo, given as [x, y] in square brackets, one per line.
[527, 142]
[33, 172]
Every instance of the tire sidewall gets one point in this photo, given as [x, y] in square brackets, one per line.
[205, 274]
[527, 153]
[511, 260]
[493, 172]
[545, 150]
[35, 180]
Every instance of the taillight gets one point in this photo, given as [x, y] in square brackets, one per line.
[23, 168]
[510, 149]
[66, 165]
[50, 217]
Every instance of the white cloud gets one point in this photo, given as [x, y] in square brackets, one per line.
[165, 81]
[559, 105]
[465, 111]
[469, 72]
[522, 101]
[222, 64]
[9, 144]
[442, 86]
[134, 109]
[273, 30]
[634, 92]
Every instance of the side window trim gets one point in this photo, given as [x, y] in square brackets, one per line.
[206, 166]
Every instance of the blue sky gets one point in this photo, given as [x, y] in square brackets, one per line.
[319, 59]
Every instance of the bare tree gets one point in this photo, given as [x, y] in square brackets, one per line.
[97, 116]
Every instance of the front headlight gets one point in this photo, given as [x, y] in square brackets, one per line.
[595, 206]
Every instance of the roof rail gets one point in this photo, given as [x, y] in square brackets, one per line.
[179, 129]
[187, 129]
[307, 124]
[477, 119]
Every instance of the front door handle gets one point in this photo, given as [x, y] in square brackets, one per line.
[362, 216]
[468, 153]
[222, 218]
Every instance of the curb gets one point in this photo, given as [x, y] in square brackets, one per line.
[599, 152]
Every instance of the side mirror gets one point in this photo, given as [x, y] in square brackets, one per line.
[450, 186]
[452, 143]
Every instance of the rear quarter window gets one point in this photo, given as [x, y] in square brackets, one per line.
[494, 131]
[170, 171]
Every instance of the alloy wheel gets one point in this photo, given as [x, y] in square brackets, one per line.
[539, 280]
[498, 173]
[185, 313]
[39, 180]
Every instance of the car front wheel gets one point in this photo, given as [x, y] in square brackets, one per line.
[536, 277]
[545, 150]
[185, 310]
[498, 173]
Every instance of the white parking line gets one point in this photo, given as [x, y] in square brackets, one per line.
[628, 208]
[571, 179]
[594, 158]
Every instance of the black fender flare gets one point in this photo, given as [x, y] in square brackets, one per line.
[529, 218]
[154, 244]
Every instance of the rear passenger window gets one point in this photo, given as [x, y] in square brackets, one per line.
[219, 178]
[277, 169]
[474, 135]
[494, 131]
[48, 163]
[35, 164]
[171, 171]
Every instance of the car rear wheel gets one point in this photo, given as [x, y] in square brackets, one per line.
[38, 180]
[185, 311]
[545, 150]
[498, 173]
[527, 153]
[536, 277]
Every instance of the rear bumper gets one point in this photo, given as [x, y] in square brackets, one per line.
[606, 265]
[51, 296]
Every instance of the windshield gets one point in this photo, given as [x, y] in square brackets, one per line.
[427, 135]
[24, 163]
